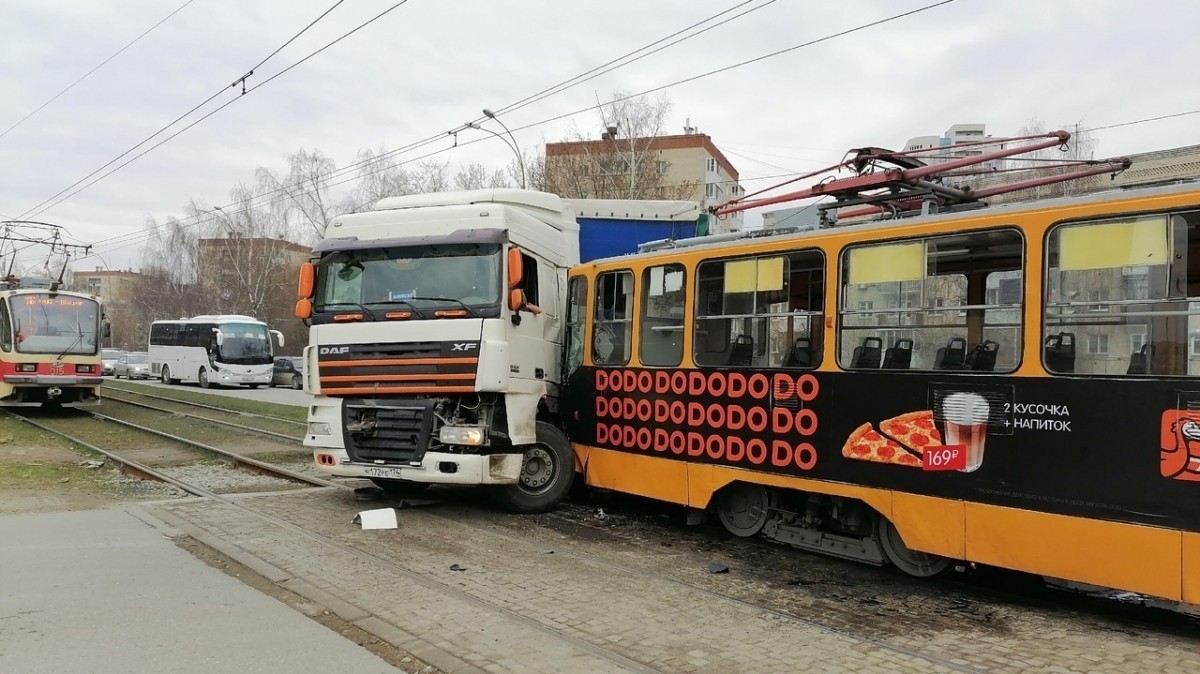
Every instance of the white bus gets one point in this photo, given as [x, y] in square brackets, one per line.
[213, 351]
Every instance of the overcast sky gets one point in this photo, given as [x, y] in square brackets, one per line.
[431, 65]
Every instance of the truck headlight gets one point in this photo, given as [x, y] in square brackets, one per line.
[319, 428]
[462, 435]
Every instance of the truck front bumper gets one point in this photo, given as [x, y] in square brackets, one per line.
[435, 468]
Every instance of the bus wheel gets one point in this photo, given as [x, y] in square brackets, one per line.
[166, 375]
[743, 508]
[547, 471]
[203, 376]
[919, 564]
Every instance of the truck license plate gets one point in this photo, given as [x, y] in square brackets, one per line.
[383, 471]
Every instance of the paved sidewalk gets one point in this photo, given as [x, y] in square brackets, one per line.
[102, 591]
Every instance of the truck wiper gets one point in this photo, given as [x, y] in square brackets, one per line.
[410, 305]
[460, 303]
[367, 311]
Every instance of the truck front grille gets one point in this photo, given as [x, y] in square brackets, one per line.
[410, 368]
[396, 432]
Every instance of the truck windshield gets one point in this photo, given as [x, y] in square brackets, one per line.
[417, 278]
[244, 344]
[46, 323]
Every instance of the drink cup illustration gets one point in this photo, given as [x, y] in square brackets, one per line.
[966, 416]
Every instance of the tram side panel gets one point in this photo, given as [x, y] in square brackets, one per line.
[1061, 476]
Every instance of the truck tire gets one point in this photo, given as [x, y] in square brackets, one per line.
[547, 473]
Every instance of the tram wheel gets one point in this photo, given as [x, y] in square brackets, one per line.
[912, 562]
[743, 508]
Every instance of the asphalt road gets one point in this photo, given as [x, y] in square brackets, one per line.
[283, 396]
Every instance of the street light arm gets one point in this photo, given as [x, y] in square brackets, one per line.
[520, 159]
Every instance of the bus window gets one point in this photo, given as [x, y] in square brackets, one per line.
[761, 311]
[612, 332]
[662, 315]
[1124, 293]
[576, 315]
[939, 303]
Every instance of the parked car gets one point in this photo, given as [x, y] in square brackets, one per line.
[110, 358]
[289, 371]
[134, 365]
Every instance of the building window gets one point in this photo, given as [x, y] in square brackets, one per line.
[1097, 344]
[710, 165]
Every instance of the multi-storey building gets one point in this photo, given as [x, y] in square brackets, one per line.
[687, 166]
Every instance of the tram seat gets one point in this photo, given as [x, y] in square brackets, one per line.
[899, 355]
[953, 356]
[742, 352]
[1139, 361]
[1060, 352]
[867, 355]
[983, 357]
[800, 354]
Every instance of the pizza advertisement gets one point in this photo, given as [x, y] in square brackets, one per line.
[911, 439]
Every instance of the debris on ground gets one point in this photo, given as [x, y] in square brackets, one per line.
[382, 518]
[456, 567]
[714, 567]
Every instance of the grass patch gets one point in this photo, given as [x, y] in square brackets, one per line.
[292, 412]
[35, 475]
[17, 433]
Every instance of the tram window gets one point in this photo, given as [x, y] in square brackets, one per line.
[764, 311]
[5, 327]
[613, 327]
[663, 292]
[939, 303]
[576, 316]
[1128, 290]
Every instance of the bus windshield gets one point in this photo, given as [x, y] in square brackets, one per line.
[54, 323]
[416, 278]
[244, 344]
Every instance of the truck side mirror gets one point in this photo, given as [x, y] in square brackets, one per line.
[308, 273]
[516, 299]
[516, 267]
[304, 308]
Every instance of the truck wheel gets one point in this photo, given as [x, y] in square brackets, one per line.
[546, 474]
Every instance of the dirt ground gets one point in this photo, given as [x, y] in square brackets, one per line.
[39, 473]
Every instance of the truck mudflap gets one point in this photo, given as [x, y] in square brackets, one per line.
[443, 468]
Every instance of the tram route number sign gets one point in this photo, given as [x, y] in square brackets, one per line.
[944, 457]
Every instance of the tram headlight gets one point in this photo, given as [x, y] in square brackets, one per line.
[26, 367]
[85, 369]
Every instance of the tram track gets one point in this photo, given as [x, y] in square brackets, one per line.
[162, 463]
[109, 387]
[220, 422]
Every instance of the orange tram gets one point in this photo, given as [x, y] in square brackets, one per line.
[49, 346]
[1014, 386]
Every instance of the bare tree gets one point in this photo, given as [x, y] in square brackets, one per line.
[624, 163]
[1081, 147]
[303, 194]
[477, 176]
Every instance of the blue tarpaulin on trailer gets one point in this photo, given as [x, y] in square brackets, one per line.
[607, 237]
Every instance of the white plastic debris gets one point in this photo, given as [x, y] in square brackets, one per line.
[383, 518]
